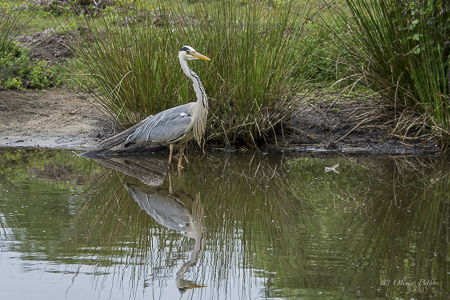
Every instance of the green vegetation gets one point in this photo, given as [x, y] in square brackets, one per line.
[254, 50]
[401, 50]
[7, 30]
[17, 71]
[265, 56]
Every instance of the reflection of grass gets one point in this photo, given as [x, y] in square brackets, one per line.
[112, 228]
[381, 219]
[258, 215]
[34, 209]
[301, 230]
[20, 164]
[251, 208]
[241, 217]
[412, 209]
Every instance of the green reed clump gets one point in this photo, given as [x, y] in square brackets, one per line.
[255, 50]
[401, 49]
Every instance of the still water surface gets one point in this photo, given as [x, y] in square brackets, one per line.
[228, 226]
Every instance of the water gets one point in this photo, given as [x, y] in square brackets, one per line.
[229, 226]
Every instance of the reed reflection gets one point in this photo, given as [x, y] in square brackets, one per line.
[174, 210]
[278, 227]
[290, 219]
[149, 170]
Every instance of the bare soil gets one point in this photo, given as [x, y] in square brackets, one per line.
[57, 118]
[47, 45]
[62, 118]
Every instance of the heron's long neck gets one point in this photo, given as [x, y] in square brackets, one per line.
[198, 86]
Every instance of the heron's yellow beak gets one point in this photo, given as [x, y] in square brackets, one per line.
[200, 56]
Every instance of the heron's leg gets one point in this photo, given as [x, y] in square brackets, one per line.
[181, 149]
[184, 155]
[180, 159]
[170, 184]
[180, 177]
[171, 146]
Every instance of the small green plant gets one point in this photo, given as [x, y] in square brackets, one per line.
[336, 110]
[13, 83]
[41, 76]
[18, 72]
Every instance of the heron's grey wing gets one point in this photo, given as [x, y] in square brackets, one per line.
[172, 129]
[161, 206]
[164, 127]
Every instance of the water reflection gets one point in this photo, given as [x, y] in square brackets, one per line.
[174, 210]
[279, 226]
[149, 170]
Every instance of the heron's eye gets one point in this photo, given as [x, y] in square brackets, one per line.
[188, 52]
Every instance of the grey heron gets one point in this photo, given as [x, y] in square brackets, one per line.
[178, 211]
[178, 125]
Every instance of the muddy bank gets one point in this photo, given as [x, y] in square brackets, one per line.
[65, 119]
[57, 118]
[357, 124]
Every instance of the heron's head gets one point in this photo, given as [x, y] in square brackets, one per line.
[189, 53]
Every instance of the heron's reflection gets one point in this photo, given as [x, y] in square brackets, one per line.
[174, 210]
[150, 170]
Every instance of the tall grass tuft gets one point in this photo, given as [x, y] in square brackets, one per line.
[401, 49]
[255, 50]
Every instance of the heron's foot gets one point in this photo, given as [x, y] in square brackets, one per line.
[170, 166]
